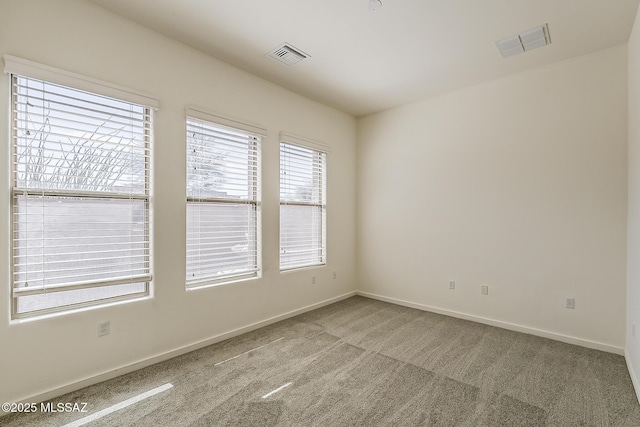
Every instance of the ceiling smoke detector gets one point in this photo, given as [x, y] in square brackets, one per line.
[288, 55]
[525, 41]
[374, 5]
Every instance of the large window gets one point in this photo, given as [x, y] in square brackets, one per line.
[80, 197]
[302, 206]
[223, 200]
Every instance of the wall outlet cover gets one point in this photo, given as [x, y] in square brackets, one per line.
[103, 328]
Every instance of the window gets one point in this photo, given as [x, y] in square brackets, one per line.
[223, 200]
[302, 206]
[80, 195]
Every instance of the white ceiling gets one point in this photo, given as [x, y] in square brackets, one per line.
[362, 61]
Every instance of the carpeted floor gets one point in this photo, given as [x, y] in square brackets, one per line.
[362, 362]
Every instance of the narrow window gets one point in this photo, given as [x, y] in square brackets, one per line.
[223, 202]
[80, 197]
[302, 206]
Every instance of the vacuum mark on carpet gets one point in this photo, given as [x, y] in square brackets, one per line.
[118, 406]
[277, 390]
[249, 351]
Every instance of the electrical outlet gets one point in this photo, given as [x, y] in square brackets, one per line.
[103, 328]
[570, 302]
[484, 289]
[335, 274]
[313, 280]
[452, 284]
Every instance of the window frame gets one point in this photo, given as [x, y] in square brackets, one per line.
[322, 151]
[255, 136]
[18, 68]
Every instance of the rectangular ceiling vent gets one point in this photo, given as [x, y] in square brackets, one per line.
[525, 41]
[288, 55]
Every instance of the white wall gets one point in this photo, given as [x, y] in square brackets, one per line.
[43, 355]
[518, 183]
[633, 217]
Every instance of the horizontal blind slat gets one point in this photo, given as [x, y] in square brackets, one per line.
[41, 93]
[133, 120]
[123, 280]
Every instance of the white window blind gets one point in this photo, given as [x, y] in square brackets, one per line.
[223, 201]
[80, 197]
[302, 206]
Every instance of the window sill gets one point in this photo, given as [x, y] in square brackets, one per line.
[222, 282]
[45, 316]
[302, 268]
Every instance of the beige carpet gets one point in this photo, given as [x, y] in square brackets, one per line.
[362, 362]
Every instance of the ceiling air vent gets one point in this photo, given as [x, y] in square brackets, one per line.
[525, 41]
[288, 54]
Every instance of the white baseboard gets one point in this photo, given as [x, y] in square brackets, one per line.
[632, 374]
[500, 324]
[77, 385]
